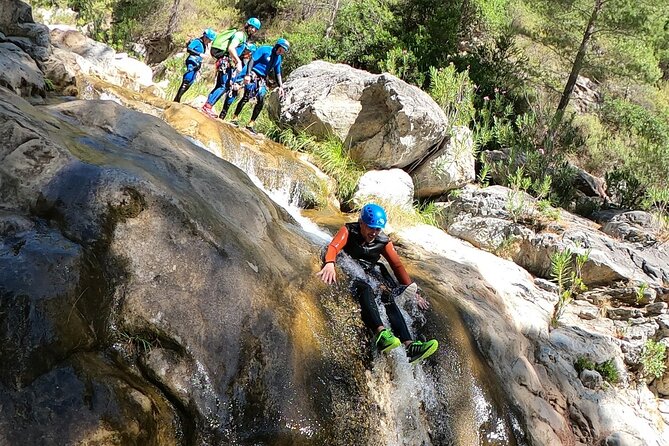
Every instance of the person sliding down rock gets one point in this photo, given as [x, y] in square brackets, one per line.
[196, 51]
[266, 59]
[364, 242]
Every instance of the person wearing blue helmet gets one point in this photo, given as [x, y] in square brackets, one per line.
[266, 59]
[227, 49]
[237, 83]
[365, 242]
[227, 85]
[196, 51]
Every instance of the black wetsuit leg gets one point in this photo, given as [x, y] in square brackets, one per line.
[397, 322]
[370, 311]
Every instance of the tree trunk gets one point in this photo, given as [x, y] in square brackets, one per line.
[576, 67]
[335, 9]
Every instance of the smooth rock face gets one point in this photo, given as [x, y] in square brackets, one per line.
[451, 168]
[391, 186]
[494, 217]
[96, 258]
[19, 72]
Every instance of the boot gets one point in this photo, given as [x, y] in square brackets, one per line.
[207, 110]
[182, 90]
[386, 341]
[420, 350]
[224, 110]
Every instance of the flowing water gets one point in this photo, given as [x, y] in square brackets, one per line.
[453, 401]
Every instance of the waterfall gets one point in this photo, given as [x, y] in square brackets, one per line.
[418, 405]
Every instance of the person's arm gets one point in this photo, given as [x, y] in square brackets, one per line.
[232, 49]
[328, 273]
[195, 48]
[395, 263]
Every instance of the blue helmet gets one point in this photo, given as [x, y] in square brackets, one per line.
[209, 34]
[250, 47]
[254, 22]
[373, 216]
[283, 43]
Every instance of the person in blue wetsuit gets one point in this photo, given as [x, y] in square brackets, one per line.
[228, 49]
[266, 59]
[196, 50]
[236, 85]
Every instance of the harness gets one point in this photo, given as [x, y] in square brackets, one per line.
[367, 255]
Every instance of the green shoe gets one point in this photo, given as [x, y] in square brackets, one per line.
[385, 341]
[418, 350]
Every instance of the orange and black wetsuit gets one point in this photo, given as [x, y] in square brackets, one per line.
[349, 239]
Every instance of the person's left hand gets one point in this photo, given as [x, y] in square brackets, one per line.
[423, 304]
[281, 92]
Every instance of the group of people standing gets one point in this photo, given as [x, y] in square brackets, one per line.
[241, 68]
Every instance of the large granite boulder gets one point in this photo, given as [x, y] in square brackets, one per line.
[451, 167]
[385, 121]
[19, 28]
[76, 54]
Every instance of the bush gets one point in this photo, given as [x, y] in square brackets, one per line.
[364, 33]
[607, 369]
[454, 93]
[652, 359]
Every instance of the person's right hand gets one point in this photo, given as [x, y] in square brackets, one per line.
[328, 274]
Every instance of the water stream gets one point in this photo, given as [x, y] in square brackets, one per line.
[428, 404]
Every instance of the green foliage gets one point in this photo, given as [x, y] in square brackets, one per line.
[330, 155]
[429, 213]
[403, 64]
[625, 187]
[566, 271]
[640, 291]
[363, 34]
[547, 210]
[652, 358]
[454, 93]
[306, 43]
[584, 363]
[607, 369]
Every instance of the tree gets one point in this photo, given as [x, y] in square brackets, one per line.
[624, 33]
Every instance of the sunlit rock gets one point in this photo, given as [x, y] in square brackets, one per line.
[452, 166]
[385, 121]
[391, 186]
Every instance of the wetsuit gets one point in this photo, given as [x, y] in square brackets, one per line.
[350, 240]
[195, 49]
[264, 61]
[220, 50]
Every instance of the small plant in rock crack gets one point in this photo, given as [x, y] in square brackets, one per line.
[567, 273]
[652, 358]
[640, 291]
[607, 369]
[137, 343]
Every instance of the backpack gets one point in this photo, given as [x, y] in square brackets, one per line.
[223, 39]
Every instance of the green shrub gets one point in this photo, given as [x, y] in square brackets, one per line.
[566, 271]
[584, 363]
[607, 369]
[364, 33]
[652, 358]
[403, 63]
[454, 92]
